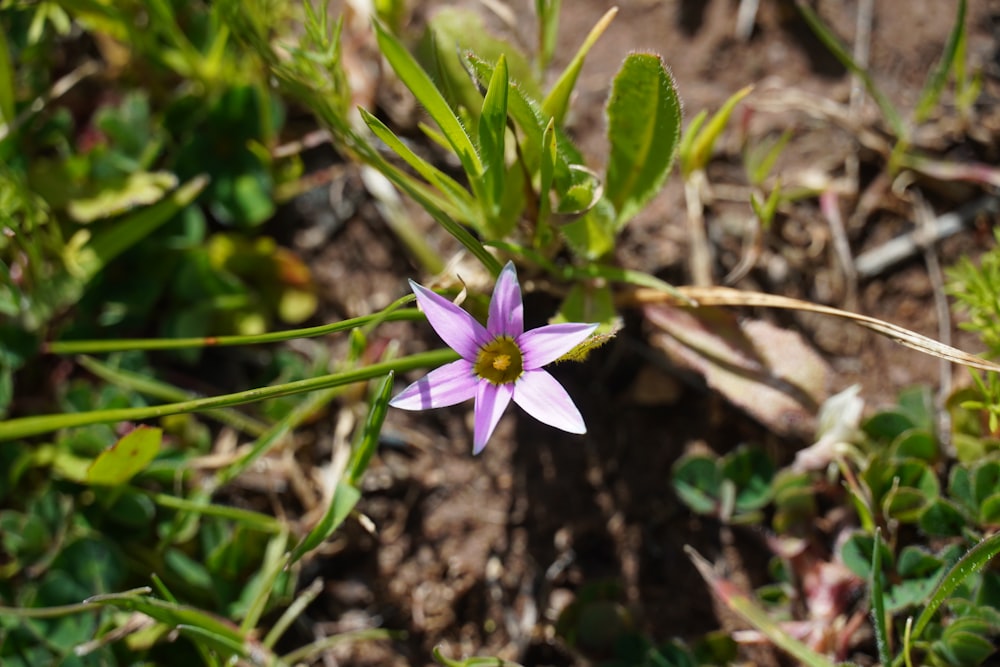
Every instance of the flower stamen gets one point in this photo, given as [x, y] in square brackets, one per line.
[499, 361]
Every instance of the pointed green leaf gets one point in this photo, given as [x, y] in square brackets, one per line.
[126, 458]
[974, 560]
[879, 618]
[532, 121]
[420, 84]
[368, 442]
[547, 168]
[344, 499]
[644, 126]
[460, 198]
[696, 150]
[939, 75]
[6, 87]
[548, 30]
[839, 51]
[556, 103]
[492, 129]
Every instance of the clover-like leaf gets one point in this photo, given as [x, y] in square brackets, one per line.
[697, 481]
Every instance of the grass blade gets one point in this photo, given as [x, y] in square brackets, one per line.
[878, 601]
[370, 432]
[939, 76]
[423, 88]
[556, 103]
[839, 52]
[740, 603]
[974, 560]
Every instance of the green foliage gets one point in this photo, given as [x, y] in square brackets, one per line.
[732, 488]
[644, 120]
[145, 215]
[977, 291]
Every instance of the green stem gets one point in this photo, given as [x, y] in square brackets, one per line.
[162, 391]
[106, 346]
[29, 426]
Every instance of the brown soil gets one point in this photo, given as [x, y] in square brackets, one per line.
[478, 555]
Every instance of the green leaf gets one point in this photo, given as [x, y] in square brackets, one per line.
[857, 554]
[138, 189]
[972, 562]
[126, 458]
[644, 125]
[7, 108]
[986, 480]
[699, 139]
[915, 443]
[939, 75]
[223, 633]
[751, 472]
[368, 442]
[548, 30]
[888, 424]
[989, 511]
[942, 519]
[963, 649]
[839, 51]
[592, 235]
[344, 499]
[697, 481]
[881, 622]
[556, 103]
[27, 426]
[130, 229]
[420, 84]
[459, 198]
[492, 130]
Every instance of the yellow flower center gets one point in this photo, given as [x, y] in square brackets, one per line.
[499, 361]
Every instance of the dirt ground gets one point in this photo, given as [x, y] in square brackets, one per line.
[478, 555]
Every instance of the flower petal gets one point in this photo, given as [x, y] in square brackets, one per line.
[491, 401]
[541, 396]
[456, 327]
[448, 385]
[506, 310]
[544, 345]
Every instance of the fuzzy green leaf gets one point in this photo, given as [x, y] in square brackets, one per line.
[644, 125]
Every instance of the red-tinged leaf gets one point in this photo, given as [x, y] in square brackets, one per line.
[769, 372]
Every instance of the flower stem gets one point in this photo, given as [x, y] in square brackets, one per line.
[121, 345]
[29, 426]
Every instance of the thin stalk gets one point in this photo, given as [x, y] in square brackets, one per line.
[124, 344]
[165, 392]
[29, 426]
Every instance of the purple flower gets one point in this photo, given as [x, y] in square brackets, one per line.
[500, 362]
